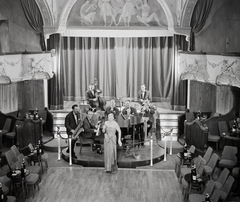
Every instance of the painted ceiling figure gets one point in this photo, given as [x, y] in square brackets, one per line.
[106, 10]
[127, 12]
[146, 18]
[87, 12]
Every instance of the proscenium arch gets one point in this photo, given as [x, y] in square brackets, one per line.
[45, 12]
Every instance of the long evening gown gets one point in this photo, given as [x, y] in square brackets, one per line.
[110, 150]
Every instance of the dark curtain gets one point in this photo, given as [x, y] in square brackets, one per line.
[121, 65]
[34, 18]
[179, 92]
[55, 84]
[199, 17]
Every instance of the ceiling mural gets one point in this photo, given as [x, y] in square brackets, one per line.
[117, 13]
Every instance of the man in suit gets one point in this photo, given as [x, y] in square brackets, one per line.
[89, 126]
[71, 122]
[91, 96]
[128, 109]
[143, 95]
[112, 108]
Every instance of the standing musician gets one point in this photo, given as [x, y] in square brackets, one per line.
[91, 96]
[73, 124]
[143, 95]
[98, 93]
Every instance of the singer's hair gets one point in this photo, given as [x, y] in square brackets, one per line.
[75, 105]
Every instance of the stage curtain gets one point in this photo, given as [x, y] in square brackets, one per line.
[34, 18]
[121, 65]
[55, 84]
[198, 20]
[179, 94]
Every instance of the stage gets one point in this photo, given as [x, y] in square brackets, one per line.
[89, 158]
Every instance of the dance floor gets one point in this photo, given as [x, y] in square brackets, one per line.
[93, 185]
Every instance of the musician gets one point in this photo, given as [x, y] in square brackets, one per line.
[112, 109]
[99, 95]
[148, 111]
[143, 95]
[128, 109]
[71, 122]
[91, 96]
[89, 126]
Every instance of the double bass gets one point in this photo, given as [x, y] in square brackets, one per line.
[100, 102]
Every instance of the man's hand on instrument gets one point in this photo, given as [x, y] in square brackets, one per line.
[72, 131]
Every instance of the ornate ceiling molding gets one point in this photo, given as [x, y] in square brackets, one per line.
[46, 12]
[168, 13]
[187, 13]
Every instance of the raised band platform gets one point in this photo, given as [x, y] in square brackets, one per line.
[89, 158]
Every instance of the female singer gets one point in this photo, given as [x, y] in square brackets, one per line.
[110, 144]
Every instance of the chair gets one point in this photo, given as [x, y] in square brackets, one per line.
[12, 135]
[11, 159]
[208, 169]
[82, 141]
[16, 152]
[231, 123]
[190, 117]
[223, 127]
[214, 138]
[208, 154]
[226, 188]
[201, 197]
[228, 158]
[222, 178]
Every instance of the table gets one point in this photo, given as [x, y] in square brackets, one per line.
[195, 184]
[36, 158]
[17, 179]
[234, 139]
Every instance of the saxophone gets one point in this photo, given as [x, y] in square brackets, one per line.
[78, 130]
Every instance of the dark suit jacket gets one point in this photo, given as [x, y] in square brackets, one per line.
[115, 111]
[70, 122]
[145, 97]
[88, 127]
[90, 97]
[133, 110]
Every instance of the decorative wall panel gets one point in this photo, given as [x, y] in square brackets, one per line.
[214, 69]
[22, 67]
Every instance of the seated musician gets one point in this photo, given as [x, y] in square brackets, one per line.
[143, 95]
[94, 98]
[73, 123]
[90, 126]
[128, 109]
[113, 109]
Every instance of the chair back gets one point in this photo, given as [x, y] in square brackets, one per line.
[213, 161]
[198, 162]
[192, 149]
[11, 159]
[7, 124]
[209, 188]
[227, 187]
[223, 127]
[229, 152]
[215, 196]
[190, 117]
[222, 178]
[208, 154]
[231, 123]
[20, 159]
[15, 150]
